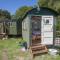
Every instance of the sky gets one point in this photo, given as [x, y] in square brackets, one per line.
[13, 5]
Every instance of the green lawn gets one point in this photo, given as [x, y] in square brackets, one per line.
[13, 51]
[12, 46]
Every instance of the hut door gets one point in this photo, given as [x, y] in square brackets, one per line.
[47, 30]
[36, 30]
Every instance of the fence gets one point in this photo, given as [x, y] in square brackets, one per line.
[57, 39]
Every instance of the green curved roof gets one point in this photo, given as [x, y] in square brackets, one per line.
[42, 11]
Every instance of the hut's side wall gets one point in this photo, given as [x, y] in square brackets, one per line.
[1, 27]
[26, 30]
[13, 28]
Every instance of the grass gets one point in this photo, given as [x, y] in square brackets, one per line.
[13, 48]
[48, 57]
[12, 45]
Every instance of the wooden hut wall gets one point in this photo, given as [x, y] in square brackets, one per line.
[26, 30]
[26, 24]
[12, 28]
[1, 28]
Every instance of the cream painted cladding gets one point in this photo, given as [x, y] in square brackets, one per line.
[26, 30]
[47, 30]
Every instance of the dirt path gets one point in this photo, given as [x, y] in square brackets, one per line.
[4, 55]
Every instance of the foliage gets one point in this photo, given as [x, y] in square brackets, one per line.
[22, 11]
[53, 4]
[12, 46]
[43, 3]
[4, 14]
[58, 23]
[13, 17]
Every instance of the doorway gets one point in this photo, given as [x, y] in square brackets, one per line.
[36, 30]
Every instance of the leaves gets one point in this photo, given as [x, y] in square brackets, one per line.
[22, 11]
[4, 14]
[43, 3]
[53, 4]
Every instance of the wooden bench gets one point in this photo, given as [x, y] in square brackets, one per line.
[3, 35]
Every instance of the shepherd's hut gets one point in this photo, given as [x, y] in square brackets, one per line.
[38, 28]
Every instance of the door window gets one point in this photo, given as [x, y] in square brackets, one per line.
[36, 23]
[46, 21]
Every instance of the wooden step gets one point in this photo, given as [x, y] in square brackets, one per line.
[37, 46]
[42, 51]
[38, 49]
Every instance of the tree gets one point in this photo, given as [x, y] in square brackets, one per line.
[13, 17]
[53, 4]
[22, 11]
[57, 6]
[4, 14]
[46, 3]
[43, 3]
[58, 23]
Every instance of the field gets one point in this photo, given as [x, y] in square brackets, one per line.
[10, 50]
